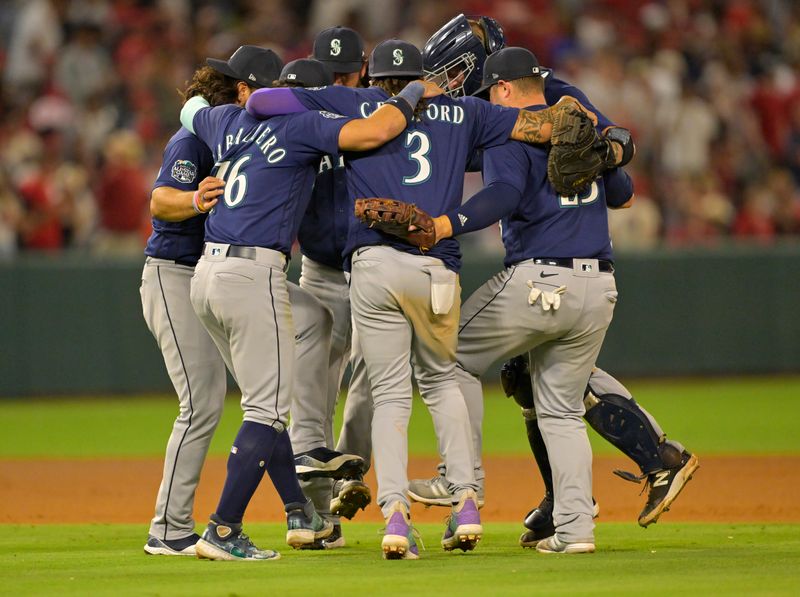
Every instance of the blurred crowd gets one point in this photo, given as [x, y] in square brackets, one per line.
[710, 89]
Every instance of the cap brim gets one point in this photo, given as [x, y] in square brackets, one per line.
[222, 66]
[225, 69]
[398, 73]
[342, 67]
[484, 88]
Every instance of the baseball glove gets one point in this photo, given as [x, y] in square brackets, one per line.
[396, 217]
[578, 154]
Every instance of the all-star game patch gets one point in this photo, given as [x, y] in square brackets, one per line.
[184, 171]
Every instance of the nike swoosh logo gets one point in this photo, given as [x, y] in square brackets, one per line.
[544, 275]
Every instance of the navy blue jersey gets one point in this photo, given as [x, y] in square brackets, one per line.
[546, 224]
[268, 167]
[323, 231]
[186, 162]
[555, 89]
[424, 165]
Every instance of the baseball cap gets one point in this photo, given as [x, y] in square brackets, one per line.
[258, 67]
[307, 72]
[340, 49]
[509, 64]
[395, 58]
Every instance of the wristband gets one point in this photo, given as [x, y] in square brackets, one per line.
[196, 203]
[622, 137]
[403, 106]
[406, 101]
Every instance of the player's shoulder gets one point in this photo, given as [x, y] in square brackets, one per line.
[184, 141]
[553, 82]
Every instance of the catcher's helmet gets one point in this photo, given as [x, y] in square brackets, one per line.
[453, 56]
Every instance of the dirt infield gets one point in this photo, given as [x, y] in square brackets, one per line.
[724, 489]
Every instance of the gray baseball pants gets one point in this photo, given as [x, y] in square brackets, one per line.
[317, 386]
[406, 307]
[197, 372]
[497, 322]
[244, 304]
[356, 433]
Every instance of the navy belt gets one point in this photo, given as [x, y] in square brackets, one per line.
[602, 264]
[247, 253]
[243, 252]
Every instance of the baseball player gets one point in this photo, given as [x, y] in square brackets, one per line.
[454, 57]
[348, 61]
[322, 236]
[558, 284]
[399, 293]
[616, 416]
[240, 294]
[193, 362]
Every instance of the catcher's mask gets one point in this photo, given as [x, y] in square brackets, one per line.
[453, 57]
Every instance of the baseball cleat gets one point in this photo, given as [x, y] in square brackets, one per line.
[555, 545]
[333, 541]
[539, 522]
[171, 547]
[323, 462]
[350, 496]
[464, 528]
[434, 492]
[665, 486]
[302, 530]
[221, 541]
[399, 541]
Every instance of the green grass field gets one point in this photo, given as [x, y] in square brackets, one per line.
[755, 416]
[687, 559]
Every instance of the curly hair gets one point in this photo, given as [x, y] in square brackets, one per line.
[217, 88]
[393, 86]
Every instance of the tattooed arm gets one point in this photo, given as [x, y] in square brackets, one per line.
[536, 127]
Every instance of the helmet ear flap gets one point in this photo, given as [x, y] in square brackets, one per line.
[494, 38]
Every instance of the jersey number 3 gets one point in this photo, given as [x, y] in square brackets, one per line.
[235, 183]
[419, 145]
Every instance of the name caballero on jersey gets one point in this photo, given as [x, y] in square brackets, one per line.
[442, 113]
[261, 137]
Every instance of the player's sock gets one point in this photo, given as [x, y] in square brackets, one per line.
[281, 470]
[249, 457]
[539, 450]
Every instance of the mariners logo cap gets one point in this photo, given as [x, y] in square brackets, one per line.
[509, 64]
[340, 49]
[306, 72]
[258, 67]
[395, 58]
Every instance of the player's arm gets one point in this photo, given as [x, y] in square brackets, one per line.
[619, 189]
[277, 101]
[537, 127]
[190, 109]
[506, 171]
[384, 124]
[175, 205]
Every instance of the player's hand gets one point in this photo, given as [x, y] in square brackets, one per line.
[568, 99]
[431, 89]
[208, 192]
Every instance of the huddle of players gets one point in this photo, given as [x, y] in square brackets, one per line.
[247, 309]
